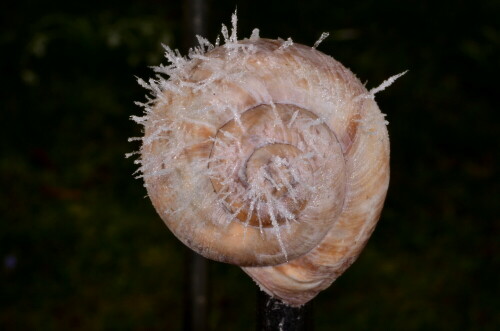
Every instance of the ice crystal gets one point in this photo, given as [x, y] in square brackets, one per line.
[323, 36]
[286, 44]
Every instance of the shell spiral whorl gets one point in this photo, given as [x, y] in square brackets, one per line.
[268, 155]
[276, 176]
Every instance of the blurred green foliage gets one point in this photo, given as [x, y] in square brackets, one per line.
[82, 248]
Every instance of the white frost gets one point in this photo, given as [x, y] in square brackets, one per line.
[255, 35]
[386, 83]
[286, 44]
[323, 36]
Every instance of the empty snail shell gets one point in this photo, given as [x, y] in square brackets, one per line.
[269, 155]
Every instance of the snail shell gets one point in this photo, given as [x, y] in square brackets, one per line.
[268, 155]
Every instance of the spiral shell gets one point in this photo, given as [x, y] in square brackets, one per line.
[269, 155]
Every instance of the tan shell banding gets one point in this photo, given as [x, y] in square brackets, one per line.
[298, 281]
[330, 179]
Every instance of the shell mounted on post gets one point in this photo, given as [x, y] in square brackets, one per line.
[266, 154]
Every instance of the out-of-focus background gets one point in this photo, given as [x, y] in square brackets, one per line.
[81, 247]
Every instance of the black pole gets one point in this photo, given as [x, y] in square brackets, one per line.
[196, 300]
[196, 307]
[273, 314]
[195, 22]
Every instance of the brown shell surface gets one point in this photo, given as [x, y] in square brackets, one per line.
[300, 280]
[219, 88]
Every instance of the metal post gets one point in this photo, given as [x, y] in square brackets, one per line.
[196, 300]
[196, 315]
[195, 21]
[273, 314]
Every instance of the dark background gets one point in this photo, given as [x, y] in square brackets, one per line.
[82, 248]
